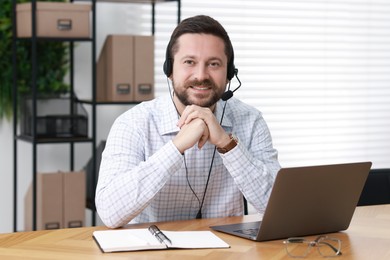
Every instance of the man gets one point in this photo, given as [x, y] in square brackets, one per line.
[173, 157]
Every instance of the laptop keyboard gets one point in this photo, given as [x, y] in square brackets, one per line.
[250, 231]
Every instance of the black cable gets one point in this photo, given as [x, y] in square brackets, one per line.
[184, 157]
[199, 214]
[188, 181]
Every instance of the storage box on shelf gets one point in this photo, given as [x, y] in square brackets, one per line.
[54, 19]
[60, 201]
[125, 69]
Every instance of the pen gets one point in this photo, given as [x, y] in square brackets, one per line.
[159, 234]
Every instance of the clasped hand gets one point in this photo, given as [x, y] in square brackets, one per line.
[199, 125]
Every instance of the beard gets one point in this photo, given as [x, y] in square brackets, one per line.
[199, 100]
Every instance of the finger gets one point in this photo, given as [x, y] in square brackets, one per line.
[204, 138]
[183, 116]
[191, 134]
[190, 113]
[193, 115]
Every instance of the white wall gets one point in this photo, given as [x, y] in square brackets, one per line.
[6, 176]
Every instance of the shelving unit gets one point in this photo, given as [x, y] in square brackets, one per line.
[33, 138]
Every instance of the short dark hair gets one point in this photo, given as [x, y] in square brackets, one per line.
[199, 24]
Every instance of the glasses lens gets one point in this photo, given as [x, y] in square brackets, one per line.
[297, 247]
[329, 247]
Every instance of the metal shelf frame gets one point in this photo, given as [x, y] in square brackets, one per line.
[33, 139]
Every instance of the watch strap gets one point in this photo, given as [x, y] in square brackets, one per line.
[233, 143]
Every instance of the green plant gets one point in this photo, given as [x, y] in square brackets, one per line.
[52, 59]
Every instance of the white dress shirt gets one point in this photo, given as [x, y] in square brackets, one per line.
[143, 176]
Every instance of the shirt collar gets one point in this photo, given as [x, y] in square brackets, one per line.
[169, 116]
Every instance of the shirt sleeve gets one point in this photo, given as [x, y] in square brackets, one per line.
[254, 165]
[127, 182]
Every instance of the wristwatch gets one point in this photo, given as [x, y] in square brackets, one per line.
[233, 143]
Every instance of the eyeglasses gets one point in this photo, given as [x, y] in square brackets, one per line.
[300, 247]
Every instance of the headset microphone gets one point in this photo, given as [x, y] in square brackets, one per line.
[228, 94]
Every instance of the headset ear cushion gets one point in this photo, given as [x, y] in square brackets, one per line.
[167, 67]
[231, 71]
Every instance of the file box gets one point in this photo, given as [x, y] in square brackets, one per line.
[125, 69]
[61, 200]
[54, 19]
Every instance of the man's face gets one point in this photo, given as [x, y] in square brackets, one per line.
[199, 70]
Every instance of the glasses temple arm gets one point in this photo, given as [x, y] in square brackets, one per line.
[337, 251]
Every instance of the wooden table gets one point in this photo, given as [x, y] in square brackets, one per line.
[368, 237]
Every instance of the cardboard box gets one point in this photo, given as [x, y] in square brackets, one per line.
[54, 19]
[115, 72]
[49, 203]
[60, 201]
[125, 69]
[144, 68]
[74, 199]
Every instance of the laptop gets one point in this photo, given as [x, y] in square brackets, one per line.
[307, 201]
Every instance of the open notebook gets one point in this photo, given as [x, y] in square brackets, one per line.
[307, 201]
[153, 238]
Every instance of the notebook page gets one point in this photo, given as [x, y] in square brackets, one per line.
[126, 240]
[195, 239]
